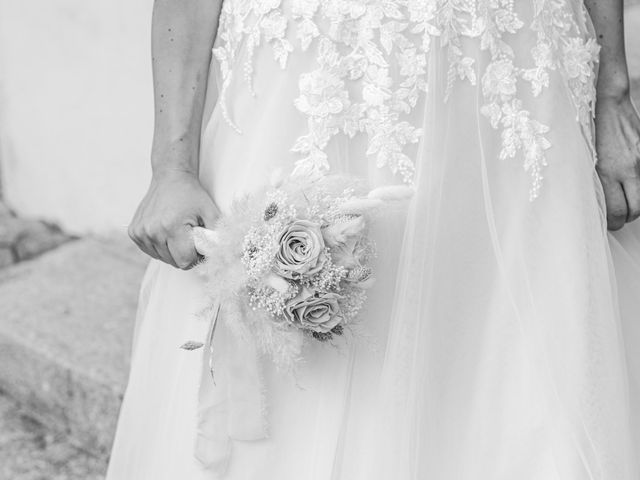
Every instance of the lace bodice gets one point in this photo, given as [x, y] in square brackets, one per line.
[372, 61]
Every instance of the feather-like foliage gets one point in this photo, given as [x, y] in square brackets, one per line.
[225, 251]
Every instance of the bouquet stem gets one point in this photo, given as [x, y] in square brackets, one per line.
[212, 331]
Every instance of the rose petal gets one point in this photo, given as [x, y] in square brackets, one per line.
[301, 248]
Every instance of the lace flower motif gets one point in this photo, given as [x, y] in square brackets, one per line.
[372, 63]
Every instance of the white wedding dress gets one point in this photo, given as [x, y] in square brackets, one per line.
[503, 333]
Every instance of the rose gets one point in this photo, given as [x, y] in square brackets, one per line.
[301, 250]
[318, 312]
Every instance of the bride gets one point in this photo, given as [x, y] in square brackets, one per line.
[504, 322]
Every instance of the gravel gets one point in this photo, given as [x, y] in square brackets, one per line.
[29, 452]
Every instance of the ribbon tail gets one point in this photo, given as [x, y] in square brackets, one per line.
[247, 405]
[232, 407]
[212, 444]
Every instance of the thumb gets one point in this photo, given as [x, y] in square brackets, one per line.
[209, 214]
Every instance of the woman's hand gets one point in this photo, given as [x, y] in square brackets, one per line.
[618, 146]
[182, 36]
[173, 205]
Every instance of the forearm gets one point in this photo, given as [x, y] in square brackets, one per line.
[183, 32]
[608, 19]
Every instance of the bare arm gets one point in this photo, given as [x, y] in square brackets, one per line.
[182, 37]
[183, 32]
[617, 122]
[608, 19]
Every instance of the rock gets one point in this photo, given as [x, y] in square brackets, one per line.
[37, 238]
[7, 257]
[10, 230]
[5, 211]
[66, 322]
[28, 238]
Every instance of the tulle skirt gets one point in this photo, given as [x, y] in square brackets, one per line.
[501, 340]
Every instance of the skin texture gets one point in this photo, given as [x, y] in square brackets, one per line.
[183, 32]
[617, 121]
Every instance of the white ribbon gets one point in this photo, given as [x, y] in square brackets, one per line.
[232, 407]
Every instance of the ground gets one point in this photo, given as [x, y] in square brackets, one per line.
[29, 451]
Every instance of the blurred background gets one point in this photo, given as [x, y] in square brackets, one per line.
[75, 131]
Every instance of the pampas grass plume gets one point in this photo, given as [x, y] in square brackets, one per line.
[392, 193]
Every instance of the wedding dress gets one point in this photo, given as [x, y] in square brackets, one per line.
[502, 337]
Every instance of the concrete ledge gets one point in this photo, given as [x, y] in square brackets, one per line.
[66, 321]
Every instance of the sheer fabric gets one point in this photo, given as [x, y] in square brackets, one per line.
[501, 338]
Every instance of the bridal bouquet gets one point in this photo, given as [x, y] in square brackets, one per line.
[292, 263]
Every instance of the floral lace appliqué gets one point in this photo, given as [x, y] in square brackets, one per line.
[372, 63]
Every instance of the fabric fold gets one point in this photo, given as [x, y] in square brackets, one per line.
[231, 403]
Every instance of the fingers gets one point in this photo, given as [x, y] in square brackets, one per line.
[183, 250]
[161, 246]
[632, 194]
[616, 201]
[174, 246]
[151, 239]
[142, 241]
[153, 244]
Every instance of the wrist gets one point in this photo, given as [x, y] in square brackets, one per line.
[176, 157]
[613, 87]
[173, 172]
[612, 99]
[616, 95]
